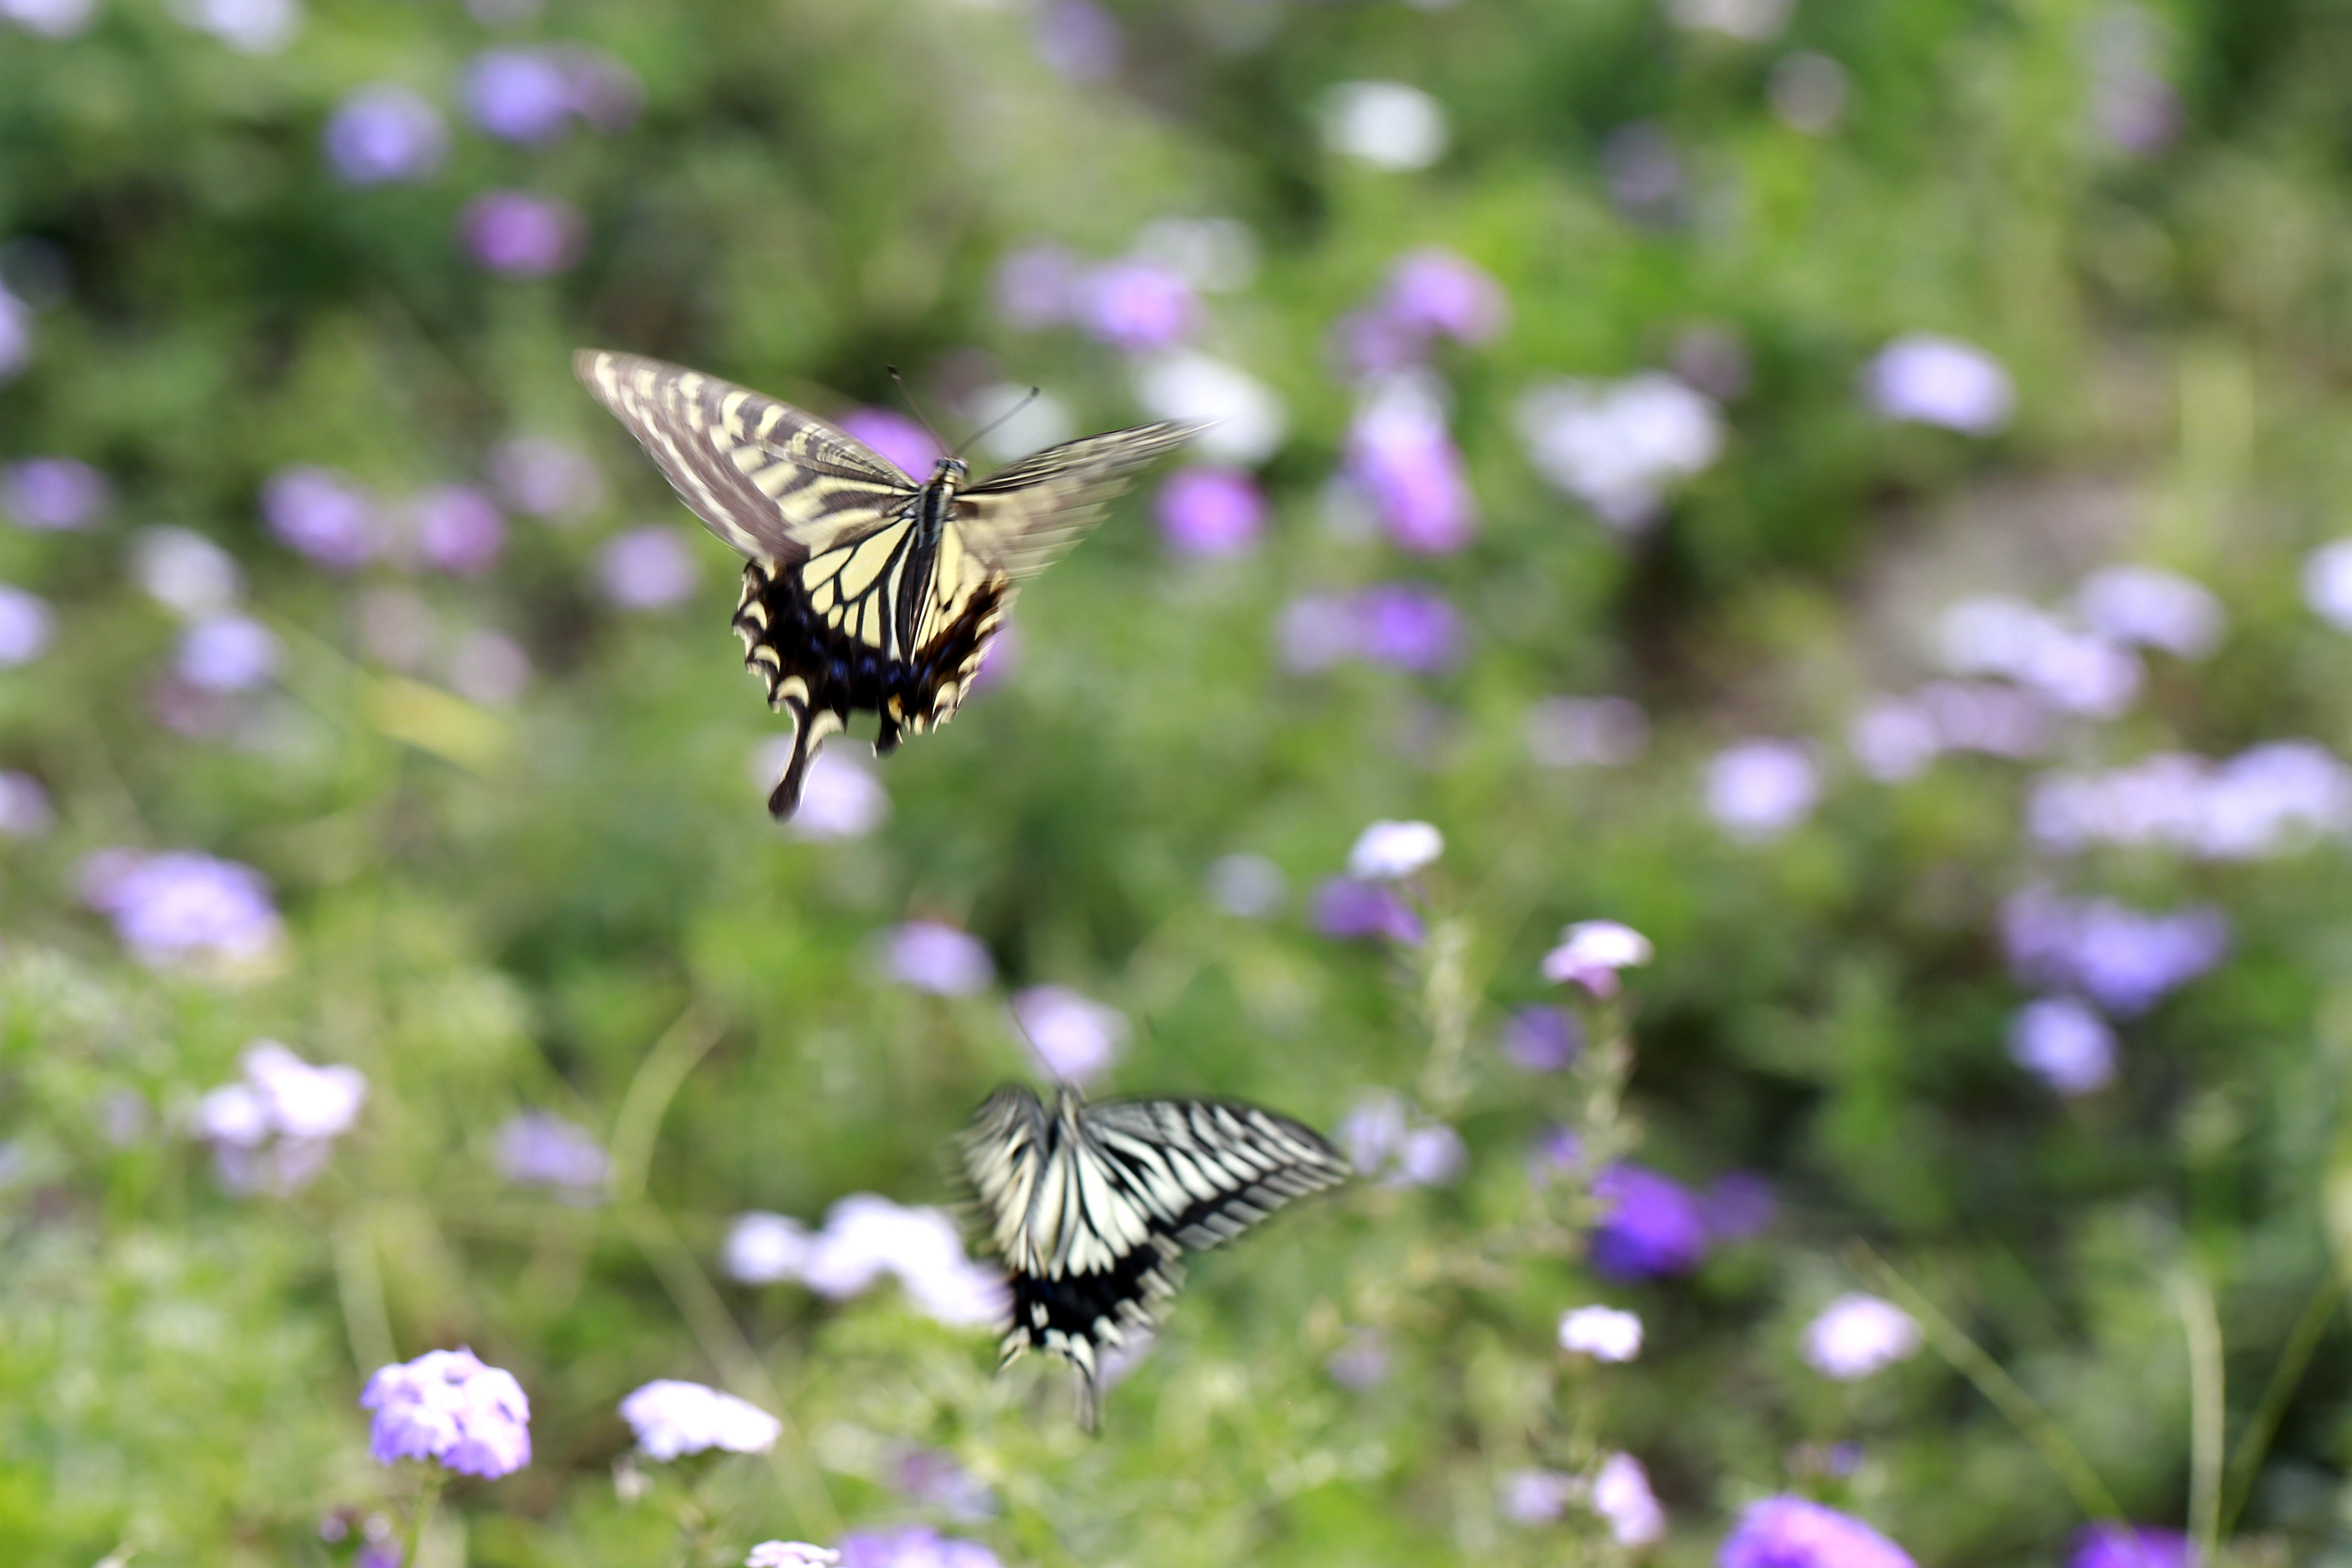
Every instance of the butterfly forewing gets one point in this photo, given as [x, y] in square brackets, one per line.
[1023, 517]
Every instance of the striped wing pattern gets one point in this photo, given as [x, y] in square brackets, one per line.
[1023, 517]
[1090, 1208]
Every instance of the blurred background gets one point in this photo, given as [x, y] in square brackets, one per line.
[1850, 492]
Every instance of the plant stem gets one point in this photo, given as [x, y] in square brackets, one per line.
[428, 1494]
[2255, 1439]
[2202, 1325]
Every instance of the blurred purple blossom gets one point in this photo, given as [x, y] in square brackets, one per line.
[26, 624]
[2081, 672]
[274, 1128]
[913, 1546]
[546, 479]
[457, 528]
[1035, 286]
[25, 811]
[1797, 1533]
[933, 1478]
[2064, 1043]
[932, 956]
[1372, 1131]
[1930, 380]
[1387, 1143]
[1758, 790]
[999, 659]
[536, 1148]
[2265, 801]
[1349, 911]
[1644, 174]
[15, 335]
[2131, 1546]
[649, 568]
[1895, 738]
[1211, 511]
[671, 1418]
[763, 1248]
[227, 653]
[1623, 1498]
[1858, 1334]
[324, 515]
[1650, 1225]
[520, 234]
[447, 1406]
[1587, 732]
[894, 436]
[49, 19]
[2131, 103]
[2123, 960]
[1362, 1363]
[1079, 41]
[53, 493]
[1537, 1497]
[1136, 305]
[1077, 1037]
[2152, 608]
[1542, 1039]
[1429, 294]
[1401, 455]
[2327, 584]
[1407, 627]
[1620, 446]
[1737, 1206]
[384, 132]
[518, 94]
[1590, 953]
[180, 907]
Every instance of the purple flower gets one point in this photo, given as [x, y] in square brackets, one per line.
[25, 626]
[1079, 41]
[1758, 790]
[1931, 380]
[931, 957]
[1795, 1532]
[1436, 293]
[184, 908]
[1408, 627]
[24, 805]
[324, 515]
[227, 653]
[1401, 455]
[1075, 1037]
[538, 1149]
[2153, 607]
[2123, 959]
[895, 437]
[1650, 1225]
[646, 568]
[1542, 1039]
[52, 493]
[1621, 1497]
[1587, 732]
[1137, 305]
[1035, 286]
[1350, 910]
[865, 1237]
[521, 235]
[1384, 1142]
[15, 335]
[671, 1417]
[447, 1406]
[1537, 1497]
[2064, 1043]
[932, 1478]
[383, 133]
[519, 94]
[275, 1128]
[1737, 1206]
[1362, 1363]
[457, 528]
[2131, 1546]
[1211, 511]
[913, 1546]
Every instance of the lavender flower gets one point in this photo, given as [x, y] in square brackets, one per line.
[1079, 41]
[672, 1418]
[2328, 583]
[646, 568]
[865, 1237]
[1857, 1334]
[913, 1546]
[447, 1407]
[384, 133]
[457, 528]
[2131, 1546]
[2123, 960]
[546, 479]
[275, 1128]
[1650, 1225]
[1350, 910]
[536, 1148]
[1590, 953]
[1892, 741]
[1796, 1532]
[1385, 1143]
[323, 515]
[519, 94]
[1211, 511]
[938, 958]
[1758, 790]
[894, 436]
[1392, 851]
[24, 805]
[1433, 1156]
[840, 798]
[227, 653]
[15, 335]
[790, 1554]
[1542, 1039]
[1075, 1037]
[26, 626]
[521, 235]
[2265, 801]
[1586, 731]
[1604, 1334]
[1401, 455]
[182, 908]
[1372, 1132]
[1246, 418]
[1930, 380]
[1407, 627]
[1537, 1497]
[52, 494]
[2080, 672]
[1137, 306]
[1619, 446]
[1621, 1497]
[1362, 1363]
[1429, 294]
[2064, 1043]
[1384, 124]
[1035, 286]
[2152, 608]
[764, 1249]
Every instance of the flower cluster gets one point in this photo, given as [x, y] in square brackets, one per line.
[183, 910]
[1388, 1144]
[2265, 801]
[273, 1129]
[865, 1237]
[671, 1418]
[449, 1407]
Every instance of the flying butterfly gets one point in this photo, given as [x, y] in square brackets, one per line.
[863, 591]
[1090, 1207]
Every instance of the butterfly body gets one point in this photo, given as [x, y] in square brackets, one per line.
[864, 591]
[1090, 1208]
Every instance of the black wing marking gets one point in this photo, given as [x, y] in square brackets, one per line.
[1022, 518]
[776, 483]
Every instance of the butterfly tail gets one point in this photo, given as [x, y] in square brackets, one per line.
[809, 731]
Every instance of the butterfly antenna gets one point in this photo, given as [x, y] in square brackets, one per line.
[914, 407]
[1035, 393]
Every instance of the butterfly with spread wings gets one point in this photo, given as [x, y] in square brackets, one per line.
[1090, 1207]
[864, 590]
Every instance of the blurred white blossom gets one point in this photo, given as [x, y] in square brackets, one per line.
[1590, 953]
[1930, 380]
[1621, 1497]
[672, 1417]
[1751, 21]
[184, 571]
[1604, 1334]
[1250, 886]
[1389, 851]
[763, 1248]
[1858, 1334]
[1758, 790]
[1385, 123]
[1075, 1037]
[2152, 608]
[1028, 424]
[2265, 801]
[2327, 584]
[1247, 418]
[1619, 446]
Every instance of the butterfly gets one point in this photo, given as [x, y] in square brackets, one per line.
[864, 591]
[1090, 1207]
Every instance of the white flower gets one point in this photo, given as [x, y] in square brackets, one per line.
[1932, 380]
[761, 1248]
[1616, 445]
[1750, 21]
[1857, 1335]
[1892, 741]
[840, 798]
[790, 1554]
[866, 1236]
[2327, 584]
[671, 1417]
[1247, 420]
[1389, 851]
[1075, 1037]
[1604, 1334]
[303, 1101]
[2153, 607]
[232, 1115]
[1621, 1496]
[1386, 123]
[1590, 953]
[184, 571]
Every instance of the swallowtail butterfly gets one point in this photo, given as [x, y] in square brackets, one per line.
[1090, 1207]
[864, 590]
